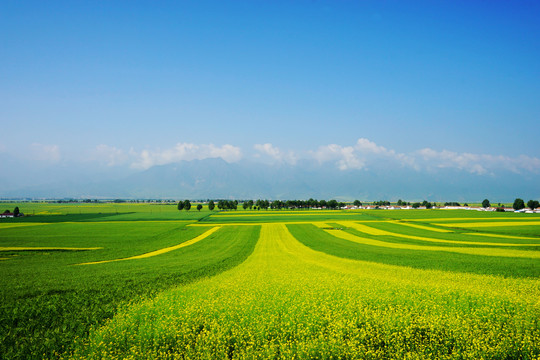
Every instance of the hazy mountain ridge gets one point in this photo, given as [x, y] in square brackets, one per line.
[215, 178]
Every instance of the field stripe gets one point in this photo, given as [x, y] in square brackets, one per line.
[504, 236]
[431, 220]
[372, 231]
[13, 225]
[421, 227]
[42, 248]
[252, 223]
[130, 221]
[471, 251]
[240, 214]
[161, 251]
[491, 224]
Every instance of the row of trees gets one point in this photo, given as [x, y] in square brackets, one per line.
[518, 204]
[331, 204]
[265, 204]
[533, 204]
[278, 204]
[186, 205]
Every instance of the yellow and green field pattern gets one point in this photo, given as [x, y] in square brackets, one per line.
[295, 285]
[298, 297]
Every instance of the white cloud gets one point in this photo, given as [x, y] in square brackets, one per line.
[344, 157]
[366, 146]
[363, 154]
[360, 155]
[184, 151]
[366, 153]
[275, 153]
[478, 163]
[45, 153]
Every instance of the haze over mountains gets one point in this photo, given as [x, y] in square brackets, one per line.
[214, 178]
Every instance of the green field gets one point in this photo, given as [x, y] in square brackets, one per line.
[147, 281]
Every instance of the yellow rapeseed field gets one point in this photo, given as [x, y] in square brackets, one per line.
[423, 227]
[287, 301]
[373, 231]
[490, 224]
[462, 250]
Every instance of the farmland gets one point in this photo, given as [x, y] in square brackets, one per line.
[148, 281]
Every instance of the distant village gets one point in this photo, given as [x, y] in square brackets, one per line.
[464, 207]
[9, 214]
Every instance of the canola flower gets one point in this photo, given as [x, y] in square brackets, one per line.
[503, 236]
[490, 224]
[462, 250]
[378, 232]
[423, 227]
[287, 301]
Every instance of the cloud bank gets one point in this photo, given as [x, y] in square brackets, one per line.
[362, 155]
[144, 159]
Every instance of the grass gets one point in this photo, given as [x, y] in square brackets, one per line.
[268, 284]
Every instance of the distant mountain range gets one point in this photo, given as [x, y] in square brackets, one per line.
[215, 178]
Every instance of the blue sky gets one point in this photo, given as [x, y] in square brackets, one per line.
[135, 84]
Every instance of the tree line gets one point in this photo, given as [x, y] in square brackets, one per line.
[259, 204]
[519, 204]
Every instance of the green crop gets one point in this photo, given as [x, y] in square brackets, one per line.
[268, 284]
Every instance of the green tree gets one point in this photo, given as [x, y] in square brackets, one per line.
[187, 205]
[211, 205]
[333, 204]
[245, 205]
[518, 204]
[416, 205]
[485, 203]
[16, 211]
[199, 207]
[533, 204]
[357, 203]
[180, 205]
